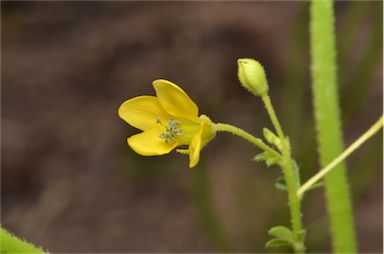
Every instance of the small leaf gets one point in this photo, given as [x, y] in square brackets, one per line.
[282, 233]
[261, 157]
[280, 184]
[275, 243]
[267, 157]
[271, 161]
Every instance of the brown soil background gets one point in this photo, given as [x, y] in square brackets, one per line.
[71, 184]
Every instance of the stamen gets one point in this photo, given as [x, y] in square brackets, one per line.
[172, 130]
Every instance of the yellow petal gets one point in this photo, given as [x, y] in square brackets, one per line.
[149, 143]
[174, 100]
[195, 147]
[142, 112]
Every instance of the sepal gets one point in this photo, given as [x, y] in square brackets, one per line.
[183, 151]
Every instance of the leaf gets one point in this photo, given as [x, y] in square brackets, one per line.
[261, 157]
[271, 161]
[280, 184]
[282, 233]
[267, 157]
[273, 243]
[284, 236]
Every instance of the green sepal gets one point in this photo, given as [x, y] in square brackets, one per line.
[183, 151]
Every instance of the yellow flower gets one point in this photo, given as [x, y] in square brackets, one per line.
[168, 120]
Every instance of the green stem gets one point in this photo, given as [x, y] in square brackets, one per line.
[294, 201]
[245, 135]
[289, 175]
[369, 133]
[327, 113]
[272, 115]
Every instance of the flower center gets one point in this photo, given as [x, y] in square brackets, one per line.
[172, 130]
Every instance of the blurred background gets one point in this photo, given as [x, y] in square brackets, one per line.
[70, 183]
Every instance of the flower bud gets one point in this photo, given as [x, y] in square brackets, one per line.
[272, 138]
[252, 76]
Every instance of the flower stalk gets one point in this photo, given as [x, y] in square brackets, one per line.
[222, 127]
[363, 138]
[272, 116]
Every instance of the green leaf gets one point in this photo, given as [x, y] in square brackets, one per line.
[261, 157]
[282, 233]
[284, 236]
[267, 157]
[280, 184]
[271, 161]
[275, 243]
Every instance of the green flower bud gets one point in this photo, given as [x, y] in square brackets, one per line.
[252, 76]
[272, 138]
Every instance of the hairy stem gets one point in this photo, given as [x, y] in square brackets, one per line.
[289, 175]
[328, 123]
[272, 115]
[245, 135]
